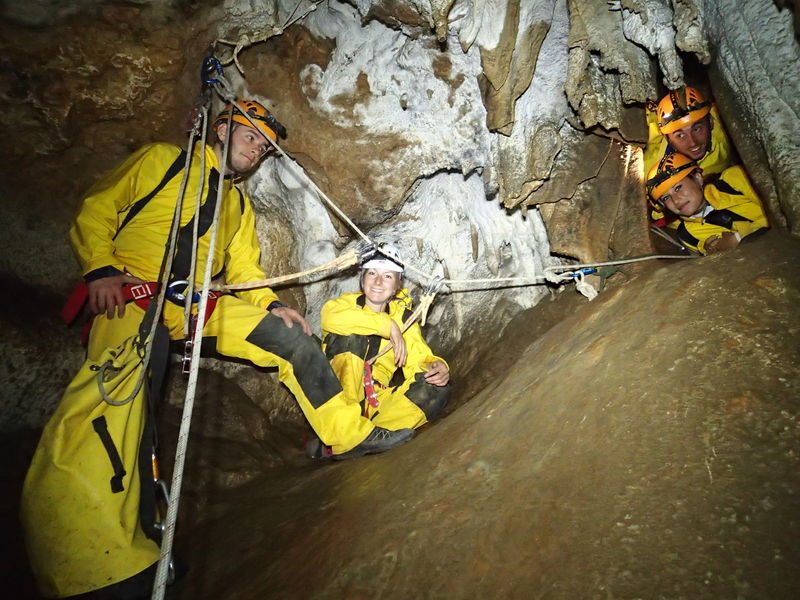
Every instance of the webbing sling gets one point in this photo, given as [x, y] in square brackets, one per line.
[100, 426]
[183, 255]
[175, 168]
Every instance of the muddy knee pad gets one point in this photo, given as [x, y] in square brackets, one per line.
[303, 352]
[430, 399]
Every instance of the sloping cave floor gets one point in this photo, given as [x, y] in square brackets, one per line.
[644, 445]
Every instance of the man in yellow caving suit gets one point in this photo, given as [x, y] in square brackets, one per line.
[407, 386]
[714, 215]
[686, 123]
[81, 510]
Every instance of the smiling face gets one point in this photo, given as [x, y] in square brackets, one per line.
[248, 147]
[694, 140]
[685, 198]
[379, 286]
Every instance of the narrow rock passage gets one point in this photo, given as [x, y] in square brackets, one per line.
[646, 446]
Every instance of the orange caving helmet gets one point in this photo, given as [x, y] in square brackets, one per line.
[671, 169]
[680, 108]
[265, 122]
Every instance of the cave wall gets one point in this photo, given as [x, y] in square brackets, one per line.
[485, 135]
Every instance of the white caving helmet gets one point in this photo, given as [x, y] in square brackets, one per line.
[386, 257]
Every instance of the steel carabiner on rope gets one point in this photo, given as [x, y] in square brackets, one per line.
[434, 286]
[582, 272]
[210, 71]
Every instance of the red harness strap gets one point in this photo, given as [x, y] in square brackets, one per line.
[186, 361]
[140, 294]
[369, 389]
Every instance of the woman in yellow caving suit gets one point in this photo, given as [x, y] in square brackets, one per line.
[83, 500]
[407, 386]
[713, 215]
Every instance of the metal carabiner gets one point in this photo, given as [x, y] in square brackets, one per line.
[583, 272]
[434, 286]
[210, 68]
[174, 295]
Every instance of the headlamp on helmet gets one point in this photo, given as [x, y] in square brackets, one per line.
[680, 108]
[264, 121]
[671, 169]
[387, 258]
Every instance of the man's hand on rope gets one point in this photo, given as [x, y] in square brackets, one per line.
[437, 374]
[398, 345]
[290, 316]
[105, 294]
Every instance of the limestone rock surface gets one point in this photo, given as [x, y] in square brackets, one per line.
[620, 446]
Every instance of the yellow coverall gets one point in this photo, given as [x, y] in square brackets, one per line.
[717, 159]
[80, 536]
[736, 208]
[353, 333]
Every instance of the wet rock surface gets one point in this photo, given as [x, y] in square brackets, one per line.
[643, 445]
[646, 446]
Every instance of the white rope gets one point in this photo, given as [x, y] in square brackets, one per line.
[340, 263]
[584, 287]
[189, 292]
[162, 292]
[188, 405]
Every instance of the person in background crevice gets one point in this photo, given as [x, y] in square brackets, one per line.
[685, 122]
[713, 215]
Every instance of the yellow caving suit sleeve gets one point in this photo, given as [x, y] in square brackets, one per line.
[140, 245]
[353, 333]
[717, 159]
[110, 198]
[733, 194]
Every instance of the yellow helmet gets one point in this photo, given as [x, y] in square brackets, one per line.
[671, 169]
[266, 123]
[680, 108]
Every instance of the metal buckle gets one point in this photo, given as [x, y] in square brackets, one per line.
[186, 359]
[140, 291]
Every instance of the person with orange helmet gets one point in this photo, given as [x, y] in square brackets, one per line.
[684, 121]
[86, 495]
[713, 216]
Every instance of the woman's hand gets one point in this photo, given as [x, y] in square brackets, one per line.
[398, 345]
[437, 374]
